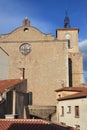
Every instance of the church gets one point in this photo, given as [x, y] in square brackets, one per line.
[47, 62]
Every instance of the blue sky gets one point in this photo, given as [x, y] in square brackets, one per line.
[46, 15]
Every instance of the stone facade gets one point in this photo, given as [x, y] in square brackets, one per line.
[74, 55]
[43, 60]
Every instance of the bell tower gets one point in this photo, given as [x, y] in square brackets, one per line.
[75, 60]
[69, 34]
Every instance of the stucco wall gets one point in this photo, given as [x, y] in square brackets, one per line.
[69, 118]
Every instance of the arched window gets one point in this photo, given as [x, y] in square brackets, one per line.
[70, 71]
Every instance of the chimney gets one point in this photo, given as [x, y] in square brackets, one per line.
[26, 22]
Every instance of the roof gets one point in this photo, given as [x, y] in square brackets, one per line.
[63, 29]
[7, 84]
[81, 92]
[74, 89]
[30, 124]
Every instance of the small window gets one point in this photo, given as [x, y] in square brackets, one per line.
[26, 29]
[69, 109]
[77, 127]
[76, 111]
[69, 44]
[63, 123]
[62, 111]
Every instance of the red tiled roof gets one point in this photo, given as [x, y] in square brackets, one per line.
[30, 124]
[74, 89]
[7, 84]
[81, 92]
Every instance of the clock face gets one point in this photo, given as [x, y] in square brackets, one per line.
[25, 48]
[67, 36]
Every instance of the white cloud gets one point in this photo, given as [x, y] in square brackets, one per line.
[83, 48]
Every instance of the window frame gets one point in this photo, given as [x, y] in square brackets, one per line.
[69, 109]
[76, 111]
[62, 110]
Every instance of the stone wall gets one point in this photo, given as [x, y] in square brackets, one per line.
[45, 66]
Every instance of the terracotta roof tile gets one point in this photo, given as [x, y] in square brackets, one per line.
[81, 92]
[30, 124]
[75, 89]
[6, 84]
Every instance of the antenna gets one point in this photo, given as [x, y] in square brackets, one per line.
[66, 12]
[66, 20]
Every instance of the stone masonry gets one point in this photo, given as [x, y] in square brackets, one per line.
[46, 66]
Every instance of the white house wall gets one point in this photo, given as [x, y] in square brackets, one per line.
[69, 118]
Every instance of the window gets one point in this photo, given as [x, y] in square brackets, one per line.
[26, 29]
[69, 109]
[68, 43]
[62, 110]
[63, 123]
[70, 71]
[76, 111]
[77, 127]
